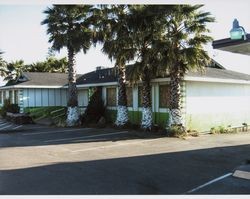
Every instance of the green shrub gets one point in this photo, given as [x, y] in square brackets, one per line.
[95, 109]
[176, 131]
[221, 130]
[8, 107]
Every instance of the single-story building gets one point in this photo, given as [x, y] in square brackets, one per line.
[212, 98]
[36, 89]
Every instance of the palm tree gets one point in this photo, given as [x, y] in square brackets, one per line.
[51, 64]
[182, 49]
[68, 27]
[13, 70]
[2, 65]
[146, 24]
[117, 44]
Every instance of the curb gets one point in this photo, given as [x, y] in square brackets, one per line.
[242, 172]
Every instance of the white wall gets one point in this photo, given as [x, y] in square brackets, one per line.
[44, 97]
[212, 104]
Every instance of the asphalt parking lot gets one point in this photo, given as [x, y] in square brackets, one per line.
[46, 160]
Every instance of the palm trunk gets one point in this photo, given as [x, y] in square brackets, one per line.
[122, 109]
[175, 117]
[147, 116]
[72, 113]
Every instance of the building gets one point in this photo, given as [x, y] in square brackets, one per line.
[212, 98]
[34, 89]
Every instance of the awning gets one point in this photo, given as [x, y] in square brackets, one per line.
[240, 46]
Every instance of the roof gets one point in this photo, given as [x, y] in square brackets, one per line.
[219, 74]
[41, 79]
[109, 75]
[240, 46]
[98, 76]
[214, 70]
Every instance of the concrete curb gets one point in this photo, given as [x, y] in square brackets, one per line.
[242, 172]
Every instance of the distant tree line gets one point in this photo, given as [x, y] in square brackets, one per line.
[12, 70]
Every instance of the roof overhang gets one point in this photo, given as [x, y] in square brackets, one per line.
[240, 46]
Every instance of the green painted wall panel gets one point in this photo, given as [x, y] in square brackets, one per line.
[135, 117]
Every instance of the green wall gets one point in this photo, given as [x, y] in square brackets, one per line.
[159, 119]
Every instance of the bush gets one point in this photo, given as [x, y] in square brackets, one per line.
[221, 130]
[8, 107]
[176, 131]
[95, 109]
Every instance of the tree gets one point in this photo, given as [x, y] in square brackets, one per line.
[13, 70]
[146, 24]
[2, 65]
[68, 26]
[118, 45]
[51, 64]
[181, 49]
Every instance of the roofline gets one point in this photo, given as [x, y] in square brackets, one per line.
[218, 80]
[217, 44]
[167, 79]
[31, 86]
[97, 84]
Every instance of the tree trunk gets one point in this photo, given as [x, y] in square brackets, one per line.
[175, 117]
[147, 116]
[72, 114]
[122, 109]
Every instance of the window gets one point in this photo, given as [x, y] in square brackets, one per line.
[164, 93]
[16, 97]
[11, 96]
[129, 93]
[140, 96]
[4, 95]
[111, 96]
[1, 99]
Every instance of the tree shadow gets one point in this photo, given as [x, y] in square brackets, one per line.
[93, 135]
[165, 173]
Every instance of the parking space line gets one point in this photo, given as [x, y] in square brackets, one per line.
[109, 146]
[210, 182]
[88, 136]
[61, 131]
[5, 127]
[17, 127]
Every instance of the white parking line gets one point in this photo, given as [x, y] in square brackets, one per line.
[5, 127]
[48, 132]
[89, 136]
[210, 182]
[17, 127]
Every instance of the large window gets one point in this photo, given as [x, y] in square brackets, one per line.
[16, 97]
[11, 96]
[4, 95]
[111, 96]
[129, 93]
[164, 93]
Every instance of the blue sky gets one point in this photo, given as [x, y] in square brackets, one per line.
[22, 36]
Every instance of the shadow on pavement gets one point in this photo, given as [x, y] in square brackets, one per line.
[166, 173]
[92, 135]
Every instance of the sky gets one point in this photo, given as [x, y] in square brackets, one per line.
[22, 36]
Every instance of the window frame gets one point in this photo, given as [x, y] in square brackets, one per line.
[132, 100]
[107, 97]
[160, 98]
